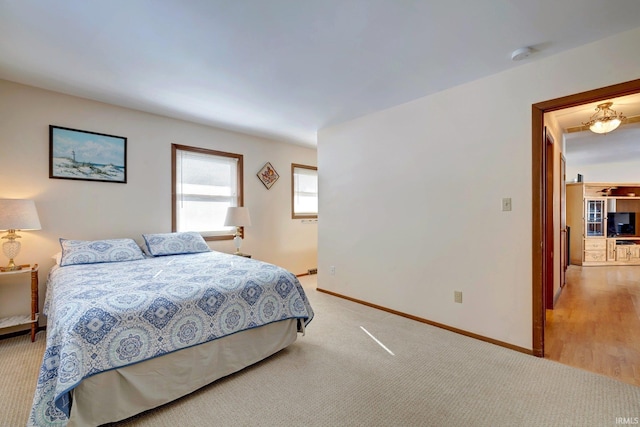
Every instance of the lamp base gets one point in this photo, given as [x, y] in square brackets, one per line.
[11, 267]
[11, 249]
[237, 242]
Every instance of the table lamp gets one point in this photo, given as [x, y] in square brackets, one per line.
[237, 216]
[16, 214]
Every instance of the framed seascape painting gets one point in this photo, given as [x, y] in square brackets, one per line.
[87, 156]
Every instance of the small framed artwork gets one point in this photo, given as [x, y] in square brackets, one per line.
[87, 156]
[268, 175]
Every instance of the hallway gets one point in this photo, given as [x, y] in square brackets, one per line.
[596, 322]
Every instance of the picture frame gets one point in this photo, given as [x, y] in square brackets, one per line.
[87, 156]
[268, 175]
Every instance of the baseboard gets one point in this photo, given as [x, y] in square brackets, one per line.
[432, 323]
[557, 295]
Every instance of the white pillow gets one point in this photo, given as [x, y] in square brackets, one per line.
[57, 257]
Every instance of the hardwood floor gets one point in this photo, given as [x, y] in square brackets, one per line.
[595, 324]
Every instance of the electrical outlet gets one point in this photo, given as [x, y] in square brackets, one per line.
[332, 270]
[457, 296]
[312, 271]
[506, 204]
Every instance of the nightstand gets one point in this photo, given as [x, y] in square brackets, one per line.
[25, 319]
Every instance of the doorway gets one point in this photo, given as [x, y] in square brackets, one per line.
[540, 243]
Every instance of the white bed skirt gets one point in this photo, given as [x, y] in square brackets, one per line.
[121, 393]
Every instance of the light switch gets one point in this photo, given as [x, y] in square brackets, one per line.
[506, 204]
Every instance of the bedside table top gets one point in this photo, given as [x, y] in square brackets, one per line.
[26, 268]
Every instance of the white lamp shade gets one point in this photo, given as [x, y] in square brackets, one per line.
[237, 216]
[16, 214]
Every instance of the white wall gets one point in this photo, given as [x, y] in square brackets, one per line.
[96, 210]
[628, 171]
[613, 157]
[410, 197]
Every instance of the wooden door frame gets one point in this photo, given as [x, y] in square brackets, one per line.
[549, 226]
[538, 185]
[563, 234]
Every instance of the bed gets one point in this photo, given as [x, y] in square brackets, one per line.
[129, 331]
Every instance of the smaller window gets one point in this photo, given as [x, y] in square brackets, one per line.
[304, 191]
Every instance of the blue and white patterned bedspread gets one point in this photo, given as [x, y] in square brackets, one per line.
[105, 316]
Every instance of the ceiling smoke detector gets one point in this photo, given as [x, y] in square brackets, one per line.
[520, 54]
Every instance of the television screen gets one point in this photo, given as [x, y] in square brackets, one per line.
[621, 224]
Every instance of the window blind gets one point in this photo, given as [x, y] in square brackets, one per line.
[305, 192]
[206, 186]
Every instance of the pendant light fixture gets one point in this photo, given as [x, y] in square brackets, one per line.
[604, 120]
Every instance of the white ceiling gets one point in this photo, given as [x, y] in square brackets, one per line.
[283, 68]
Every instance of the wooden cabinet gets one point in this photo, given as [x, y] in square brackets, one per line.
[594, 238]
[628, 254]
[622, 253]
[595, 217]
[595, 250]
[611, 249]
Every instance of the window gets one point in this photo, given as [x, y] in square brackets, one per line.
[304, 191]
[204, 184]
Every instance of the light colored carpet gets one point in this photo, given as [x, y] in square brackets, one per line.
[338, 376]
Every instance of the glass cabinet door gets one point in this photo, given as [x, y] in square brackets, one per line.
[595, 218]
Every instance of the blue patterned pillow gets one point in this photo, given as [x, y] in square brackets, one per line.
[175, 243]
[95, 251]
